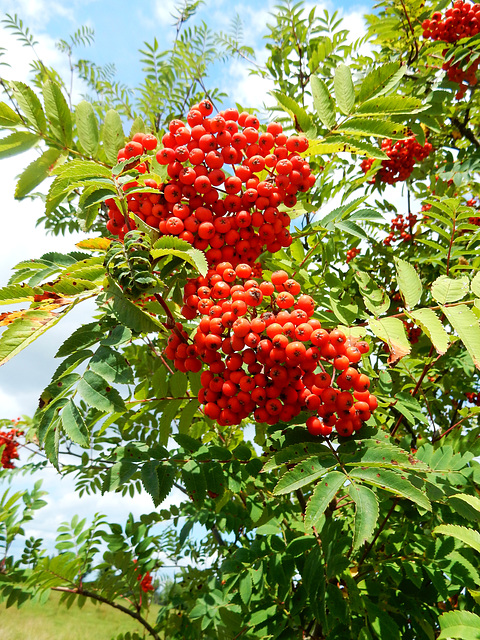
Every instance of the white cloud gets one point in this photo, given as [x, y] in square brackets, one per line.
[163, 11]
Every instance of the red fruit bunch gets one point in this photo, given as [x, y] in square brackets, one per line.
[184, 355]
[227, 182]
[401, 228]
[9, 453]
[269, 357]
[463, 76]
[352, 253]
[473, 219]
[146, 582]
[473, 397]
[402, 157]
[460, 21]
[413, 332]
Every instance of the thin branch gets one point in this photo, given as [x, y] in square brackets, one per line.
[115, 605]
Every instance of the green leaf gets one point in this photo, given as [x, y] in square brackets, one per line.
[336, 144]
[186, 416]
[469, 537]
[297, 250]
[83, 169]
[321, 497]
[18, 293]
[373, 452]
[113, 136]
[17, 142]
[30, 105]
[410, 408]
[150, 479]
[245, 587]
[392, 331]
[36, 172]
[465, 323]
[193, 256]
[472, 507]
[8, 117]
[445, 289]
[409, 282]
[375, 298]
[374, 127]
[27, 328]
[138, 126]
[302, 474]
[351, 228]
[344, 89]
[166, 477]
[431, 325]
[74, 425]
[127, 312]
[366, 513]
[391, 105]
[169, 414]
[459, 624]
[112, 366]
[393, 482]
[382, 624]
[96, 392]
[297, 452]
[323, 102]
[381, 80]
[58, 113]
[87, 127]
[194, 481]
[297, 113]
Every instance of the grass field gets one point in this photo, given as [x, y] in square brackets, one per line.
[52, 621]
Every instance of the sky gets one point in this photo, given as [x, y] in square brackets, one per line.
[121, 28]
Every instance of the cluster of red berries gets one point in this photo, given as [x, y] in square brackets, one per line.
[402, 157]
[473, 397]
[232, 214]
[263, 348]
[413, 332]
[146, 582]
[352, 253]
[473, 219]
[8, 439]
[464, 77]
[401, 228]
[461, 21]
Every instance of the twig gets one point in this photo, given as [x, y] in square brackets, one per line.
[115, 605]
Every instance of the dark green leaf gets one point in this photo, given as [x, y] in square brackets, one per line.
[74, 425]
[366, 513]
[96, 392]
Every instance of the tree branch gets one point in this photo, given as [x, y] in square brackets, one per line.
[115, 605]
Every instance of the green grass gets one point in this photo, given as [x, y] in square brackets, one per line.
[53, 621]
